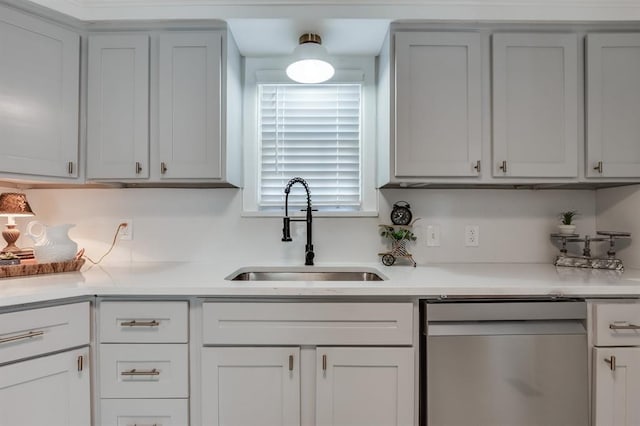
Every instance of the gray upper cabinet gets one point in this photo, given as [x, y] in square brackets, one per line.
[118, 107]
[613, 102]
[189, 105]
[163, 107]
[39, 96]
[438, 104]
[535, 105]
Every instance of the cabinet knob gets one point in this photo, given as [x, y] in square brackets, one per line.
[503, 167]
[598, 167]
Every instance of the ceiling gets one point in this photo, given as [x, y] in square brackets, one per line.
[347, 27]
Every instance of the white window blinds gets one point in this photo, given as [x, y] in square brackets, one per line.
[311, 131]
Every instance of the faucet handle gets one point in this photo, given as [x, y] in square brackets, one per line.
[286, 229]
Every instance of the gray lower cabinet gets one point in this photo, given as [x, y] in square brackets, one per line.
[158, 107]
[535, 105]
[438, 104]
[143, 362]
[39, 96]
[297, 363]
[613, 101]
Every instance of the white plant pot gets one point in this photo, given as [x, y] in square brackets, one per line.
[567, 229]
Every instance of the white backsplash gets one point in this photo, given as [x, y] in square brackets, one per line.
[617, 210]
[206, 225]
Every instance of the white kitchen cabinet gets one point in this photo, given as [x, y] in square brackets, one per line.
[189, 105]
[617, 386]
[36, 387]
[438, 129]
[270, 363]
[159, 412]
[50, 390]
[535, 105]
[39, 96]
[616, 363]
[118, 106]
[613, 100]
[143, 360]
[364, 386]
[251, 386]
[163, 107]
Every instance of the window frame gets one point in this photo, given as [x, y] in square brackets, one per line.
[272, 71]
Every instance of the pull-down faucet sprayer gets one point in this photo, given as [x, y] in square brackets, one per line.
[286, 230]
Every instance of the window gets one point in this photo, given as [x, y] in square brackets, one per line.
[323, 133]
[312, 131]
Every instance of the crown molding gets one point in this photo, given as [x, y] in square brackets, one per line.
[475, 10]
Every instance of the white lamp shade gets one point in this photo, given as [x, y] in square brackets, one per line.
[310, 64]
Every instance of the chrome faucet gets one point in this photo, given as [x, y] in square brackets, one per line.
[286, 230]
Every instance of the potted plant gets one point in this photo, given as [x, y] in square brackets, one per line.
[567, 226]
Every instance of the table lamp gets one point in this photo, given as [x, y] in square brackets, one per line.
[12, 205]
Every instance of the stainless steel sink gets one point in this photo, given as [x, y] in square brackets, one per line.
[304, 275]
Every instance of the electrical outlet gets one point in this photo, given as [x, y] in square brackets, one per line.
[433, 235]
[126, 232]
[471, 236]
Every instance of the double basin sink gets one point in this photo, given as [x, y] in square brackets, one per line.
[305, 274]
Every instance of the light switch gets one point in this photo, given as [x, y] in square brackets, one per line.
[433, 236]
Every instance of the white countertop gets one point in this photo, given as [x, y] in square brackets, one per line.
[200, 279]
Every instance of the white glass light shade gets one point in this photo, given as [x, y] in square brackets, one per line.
[310, 64]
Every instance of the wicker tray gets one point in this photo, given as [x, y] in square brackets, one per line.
[10, 271]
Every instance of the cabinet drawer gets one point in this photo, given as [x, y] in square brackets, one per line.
[308, 323]
[143, 322]
[129, 412]
[144, 371]
[39, 331]
[617, 324]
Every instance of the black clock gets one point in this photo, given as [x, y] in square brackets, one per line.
[400, 214]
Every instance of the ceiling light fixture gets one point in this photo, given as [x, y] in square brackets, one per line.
[310, 61]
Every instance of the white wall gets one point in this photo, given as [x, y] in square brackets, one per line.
[205, 225]
[617, 210]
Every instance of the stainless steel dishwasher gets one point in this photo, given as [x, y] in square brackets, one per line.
[498, 363]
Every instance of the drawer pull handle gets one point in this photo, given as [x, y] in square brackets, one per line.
[134, 323]
[28, 335]
[134, 372]
[290, 362]
[598, 167]
[612, 362]
[503, 167]
[625, 326]
[324, 363]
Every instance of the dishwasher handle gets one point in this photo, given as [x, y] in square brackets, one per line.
[498, 328]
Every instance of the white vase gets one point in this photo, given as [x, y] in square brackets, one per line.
[567, 229]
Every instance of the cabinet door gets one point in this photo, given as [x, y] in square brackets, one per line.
[118, 107]
[365, 386]
[189, 110]
[613, 101]
[438, 104]
[616, 389]
[39, 87]
[250, 386]
[51, 390]
[535, 105]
